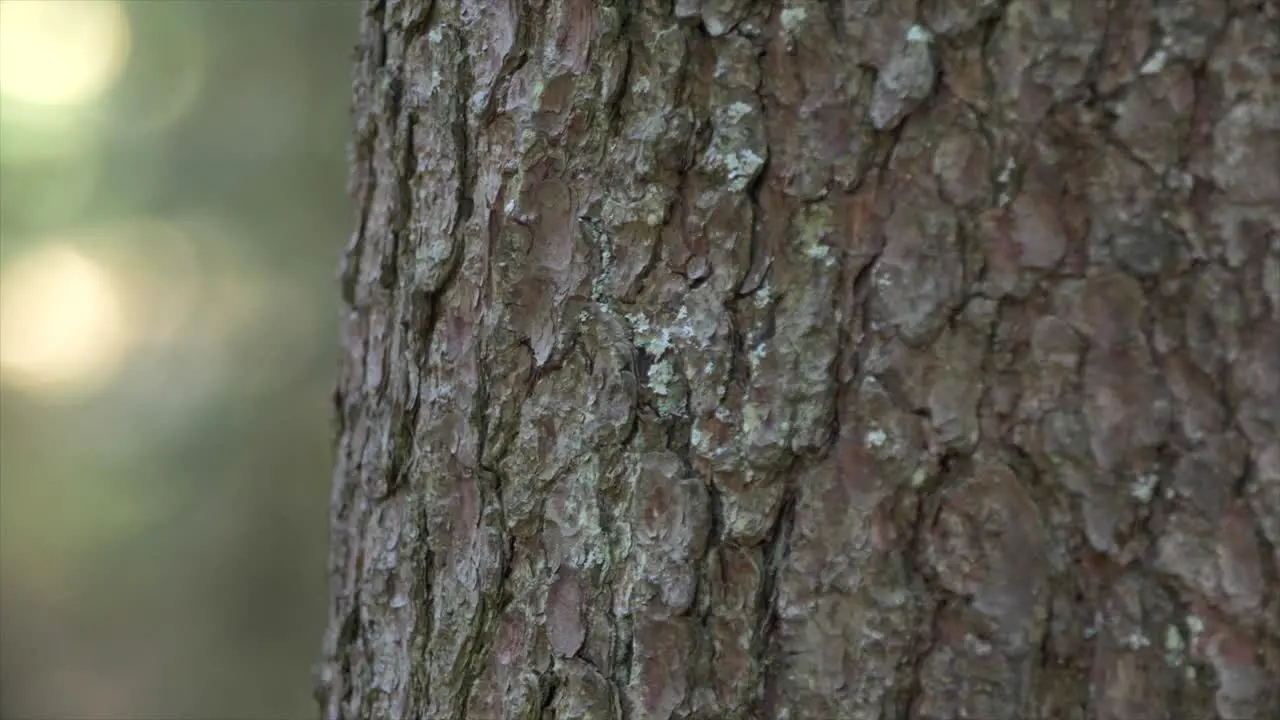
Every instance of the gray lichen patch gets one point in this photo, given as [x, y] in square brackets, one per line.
[815, 224]
[668, 385]
[658, 336]
[737, 150]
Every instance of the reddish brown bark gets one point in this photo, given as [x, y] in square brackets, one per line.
[734, 359]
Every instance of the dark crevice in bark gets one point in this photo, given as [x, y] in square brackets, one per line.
[766, 649]
[420, 678]
[511, 65]
[623, 648]
[402, 202]
[757, 266]
[377, 19]
[462, 140]
[613, 105]
[478, 648]
[547, 687]
[924, 639]
[1093, 64]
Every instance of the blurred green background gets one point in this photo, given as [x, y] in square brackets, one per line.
[172, 205]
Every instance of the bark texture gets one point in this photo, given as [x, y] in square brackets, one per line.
[867, 359]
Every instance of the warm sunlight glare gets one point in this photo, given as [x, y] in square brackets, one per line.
[61, 53]
[61, 320]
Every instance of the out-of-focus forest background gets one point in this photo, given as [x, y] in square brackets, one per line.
[172, 206]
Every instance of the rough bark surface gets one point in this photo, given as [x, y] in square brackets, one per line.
[867, 359]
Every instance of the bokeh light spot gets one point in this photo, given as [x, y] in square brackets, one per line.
[62, 324]
[61, 53]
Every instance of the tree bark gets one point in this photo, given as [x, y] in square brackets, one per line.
[798, 359]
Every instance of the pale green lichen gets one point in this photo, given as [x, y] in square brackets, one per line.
[652, 340]
[918, 34]
[733, 148]
[661, 375]
[587, 516]
[1136, 640]
[1195, 625]
[657, 340]
[752, 417]
[1144, 487]
[792, 17]
[816, 224]
[603, 279]
[742, 167]
[1155, 63]
[1174, 646]
[818, 252]
[735, 112]
[670, 407]
[663, 381]
[876, 438]
[1004, 181]
[762, 296]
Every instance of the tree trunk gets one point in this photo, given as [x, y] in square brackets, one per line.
[811, 360]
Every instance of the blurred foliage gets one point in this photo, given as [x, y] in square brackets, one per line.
[172, 203]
